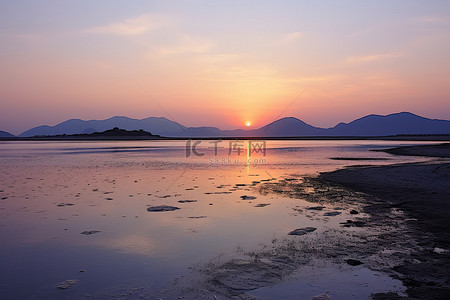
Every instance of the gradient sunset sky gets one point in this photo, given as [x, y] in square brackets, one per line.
[222, 63]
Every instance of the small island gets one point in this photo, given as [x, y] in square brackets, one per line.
[111, 134]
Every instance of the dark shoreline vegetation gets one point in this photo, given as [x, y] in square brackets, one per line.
[421, 192]
[111, 134]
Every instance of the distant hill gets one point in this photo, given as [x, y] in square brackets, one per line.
[161, 126]
[111, 133]
[393, 124]
[290, 127]
[5, 134]
[121, 132]
[371, 125]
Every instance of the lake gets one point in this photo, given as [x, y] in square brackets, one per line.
[78, 211]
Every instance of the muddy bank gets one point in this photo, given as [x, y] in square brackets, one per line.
[441, 150]
[422, 193]
[395, 221]
[360, 242]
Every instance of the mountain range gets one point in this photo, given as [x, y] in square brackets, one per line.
[371, 125]
[5, 134]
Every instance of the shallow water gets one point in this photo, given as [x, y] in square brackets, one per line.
[51, 192]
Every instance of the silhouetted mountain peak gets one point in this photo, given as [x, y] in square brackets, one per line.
[404, 113]
[288, 126]
[157, 118]
[370, 125]
[289, 118]
[71, 121]
[392, 124]
[372, 117]
[5, 134]
[287, 121]
[116, 118]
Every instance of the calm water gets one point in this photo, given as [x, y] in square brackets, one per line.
[51, 192]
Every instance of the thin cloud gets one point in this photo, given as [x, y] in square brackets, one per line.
[220, 59]
[187, 44]
[364, 31]
[371, 58]
[132, 26]
[291, 37]
[323, 78]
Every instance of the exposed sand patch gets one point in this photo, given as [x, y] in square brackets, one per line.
[441, 150]
[420, 192]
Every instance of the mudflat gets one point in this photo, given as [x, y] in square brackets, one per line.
[421, 191]
[440, 150]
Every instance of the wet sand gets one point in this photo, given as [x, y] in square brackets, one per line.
[421, 191]
[112, 207]
[441, 150]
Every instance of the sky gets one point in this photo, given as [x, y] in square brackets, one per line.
[222, 63]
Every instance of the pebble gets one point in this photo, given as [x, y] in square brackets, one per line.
[65, 204]
[89, 232]
[262, 204]
[302, 231]
[245, 197]
[353, 262]
[351, 223]
[332, 213]
[321, 297]
[315, 208]
[66, 284]
[162, 208]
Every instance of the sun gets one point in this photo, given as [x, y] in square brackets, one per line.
[248, 124]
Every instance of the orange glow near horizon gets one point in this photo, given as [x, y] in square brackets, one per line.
[202, 70]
